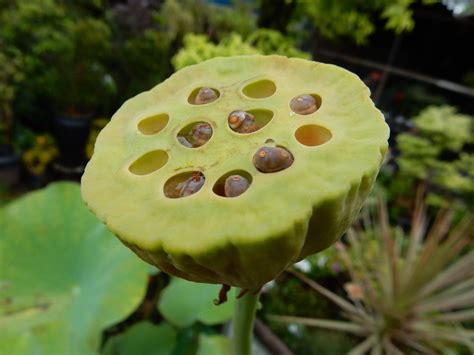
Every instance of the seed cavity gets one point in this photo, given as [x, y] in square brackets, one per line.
[249, 121]
[312, 135]
[242, 122]
[305, 104]
[233, 183]
[154, 124]
[260, 89]
[272, 159]
[184, 184]
[195, 134]
[203, 95]
[149, 162]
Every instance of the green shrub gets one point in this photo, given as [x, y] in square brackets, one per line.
[434, 152]
[198, 48]
[353, 19]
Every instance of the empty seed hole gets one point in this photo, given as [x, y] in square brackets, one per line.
[184, 184]
[312, 135]
[233, 183]
[203, 95]
[305, 104]
[260, 89]
[153, 124]
[195, 134]
[149, 162]
[249, 121]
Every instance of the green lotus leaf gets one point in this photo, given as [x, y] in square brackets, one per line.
[63, 276]
[214, 345]
[333, 155]
[183, 302]
[145, 339]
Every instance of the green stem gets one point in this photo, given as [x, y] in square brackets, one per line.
[244, 317]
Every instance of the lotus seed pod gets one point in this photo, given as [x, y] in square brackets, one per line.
[283, 216]
[205, 95]
[272, 159]
[235, 185]
[200, 134]
[303, 104]
[242, 122]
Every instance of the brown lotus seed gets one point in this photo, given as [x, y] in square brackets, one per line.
[205, 95]
[303, 104]
[242, 122]
[200, 134]
[235, 185]
[189, 186]
[272, 159]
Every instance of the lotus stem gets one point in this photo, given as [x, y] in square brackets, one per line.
[244, 317]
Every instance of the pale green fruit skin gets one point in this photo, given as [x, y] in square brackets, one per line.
[248, 240]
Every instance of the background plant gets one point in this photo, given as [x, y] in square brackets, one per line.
[198, 48]
[64, 262]
[349, 19]
[63, 58]
[414, 294]
[10, 76]
[434, 152]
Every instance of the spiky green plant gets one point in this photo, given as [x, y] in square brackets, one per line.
[415, 294]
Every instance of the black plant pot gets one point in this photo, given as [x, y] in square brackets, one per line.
[71, 133]
[10, 166]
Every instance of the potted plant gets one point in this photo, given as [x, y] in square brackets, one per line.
[81, 90]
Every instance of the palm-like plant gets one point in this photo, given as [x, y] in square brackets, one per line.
[413, 294]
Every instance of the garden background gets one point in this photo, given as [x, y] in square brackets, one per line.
[66, 66]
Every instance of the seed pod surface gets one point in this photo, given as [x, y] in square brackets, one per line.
[298, 203]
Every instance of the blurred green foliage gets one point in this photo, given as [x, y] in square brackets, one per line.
[354, 19]
[273, 42]
[143, 338]
[63, 55]
[290, 296]
[10, 72]
[198, 48]
[180, 17]
[63, 276]
[433, 152]
[64, 279]
[446, 128]
[11, 75]
[183, 303]
[141, 62]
